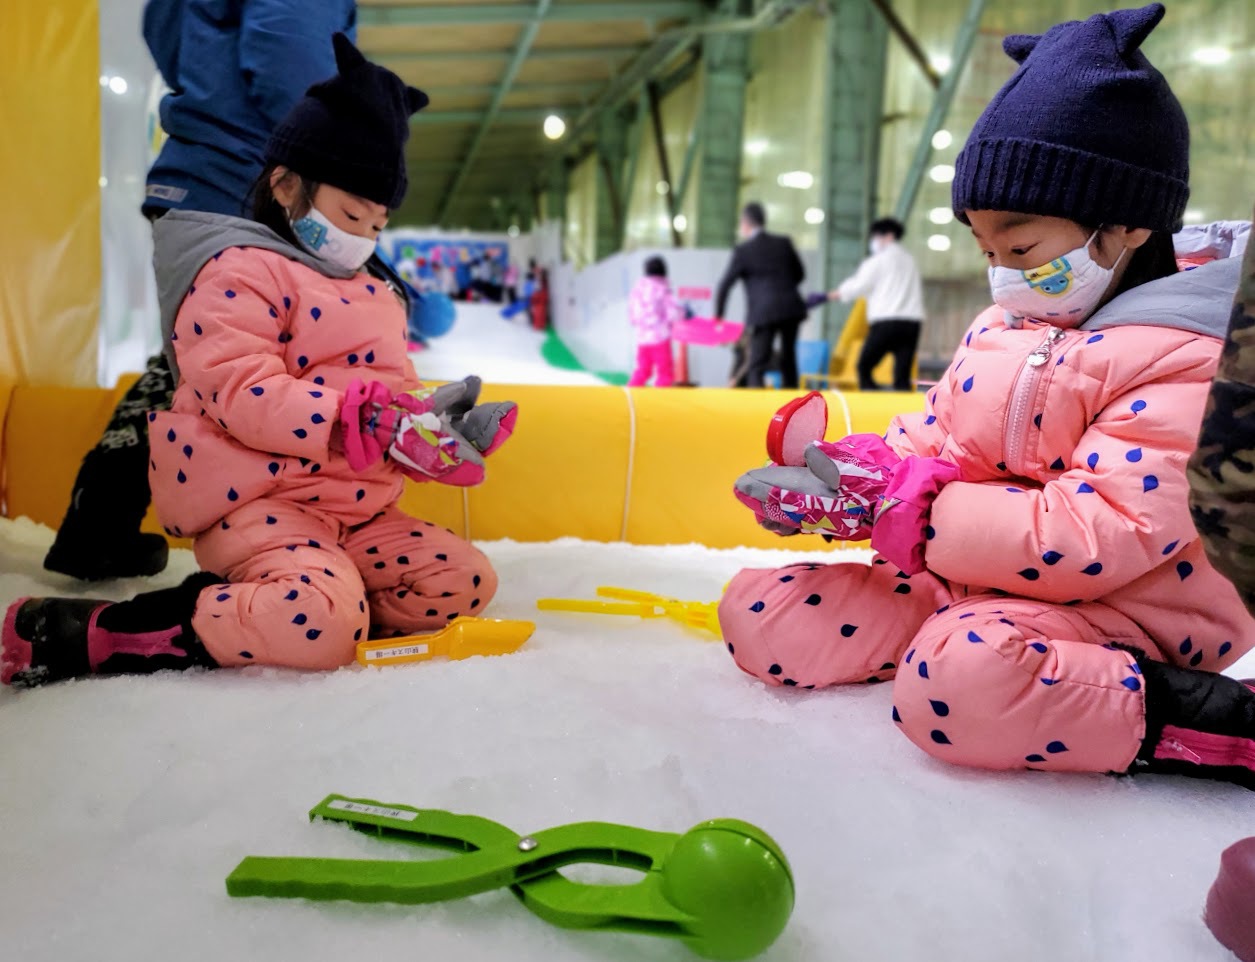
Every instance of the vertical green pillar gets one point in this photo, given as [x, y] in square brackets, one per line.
[557, 186]
[612, 149]
[726, 70]
[857, 43]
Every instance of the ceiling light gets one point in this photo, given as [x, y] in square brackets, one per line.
[942, 139]
[941, 215]
[663, 188]
[941, 63]
[554, 127]
[117, 85]
[942, 173]
[814, 215]
[680, 223]
[939, 242]
[797, 179]
[1212, 56]
[756, 147]
[1194, 216]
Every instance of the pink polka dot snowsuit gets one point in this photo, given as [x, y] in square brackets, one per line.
[1067, 540]
[316, 554]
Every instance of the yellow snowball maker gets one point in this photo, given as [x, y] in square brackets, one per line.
[463, 638]
[702, 615]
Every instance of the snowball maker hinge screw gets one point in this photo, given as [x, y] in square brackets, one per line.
[724, 887]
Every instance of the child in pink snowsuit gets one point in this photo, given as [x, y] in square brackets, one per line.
[652, 309]
[296, 418]
[1039, 595]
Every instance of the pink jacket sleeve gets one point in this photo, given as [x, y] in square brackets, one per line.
[672, 310]
[1117, 510]
[229, 339]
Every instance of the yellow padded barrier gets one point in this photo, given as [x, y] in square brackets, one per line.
[50, 168]
[6, 391]
[565, 473]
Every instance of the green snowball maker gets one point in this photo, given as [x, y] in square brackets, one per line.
[724, 887]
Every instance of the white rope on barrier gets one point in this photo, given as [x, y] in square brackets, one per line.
[631, 463]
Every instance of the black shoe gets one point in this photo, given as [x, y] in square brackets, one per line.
[1198, 723]
[134, 556]
[51, 639]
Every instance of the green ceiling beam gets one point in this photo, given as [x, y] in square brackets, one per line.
[522, 115]
[572, 11]
[521, 49]
[962, 52]
[541, 53]
[472, 90]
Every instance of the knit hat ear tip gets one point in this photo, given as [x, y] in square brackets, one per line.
[347, 55]
[1132, 27]
[1019, 45]
[415, 99]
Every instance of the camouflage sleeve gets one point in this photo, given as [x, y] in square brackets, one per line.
[1222, 470]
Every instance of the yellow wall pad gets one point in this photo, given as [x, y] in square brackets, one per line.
[50, 168]
[600, 463]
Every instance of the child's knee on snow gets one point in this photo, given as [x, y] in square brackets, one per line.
[325, 635]
[780, 635]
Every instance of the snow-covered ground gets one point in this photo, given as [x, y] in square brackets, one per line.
[126, 802]
[482, 342]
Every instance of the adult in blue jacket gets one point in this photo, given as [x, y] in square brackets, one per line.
[234, 69]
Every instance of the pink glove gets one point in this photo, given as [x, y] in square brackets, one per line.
[368, 423]
[855, 490]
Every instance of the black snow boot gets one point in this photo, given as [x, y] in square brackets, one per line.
[100, 536]
[1198, 723]
[50, 639]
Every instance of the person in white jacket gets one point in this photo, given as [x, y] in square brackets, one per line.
[890, 281]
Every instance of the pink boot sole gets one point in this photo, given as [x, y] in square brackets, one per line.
[15, 652]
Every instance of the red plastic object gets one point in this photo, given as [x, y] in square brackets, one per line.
[1230, 912]
[706, 331]
[796, 425]
[539, 308]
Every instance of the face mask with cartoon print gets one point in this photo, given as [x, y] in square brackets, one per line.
[325, 240]
[1064, 292]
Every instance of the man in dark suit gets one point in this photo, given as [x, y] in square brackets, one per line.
[769, 267]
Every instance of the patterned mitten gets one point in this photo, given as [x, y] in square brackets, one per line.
[857, 489]
[435, 434]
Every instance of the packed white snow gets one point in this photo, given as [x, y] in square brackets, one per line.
[126, 802]
[498, 350]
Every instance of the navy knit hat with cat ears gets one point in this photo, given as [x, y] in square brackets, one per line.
[1086, 130]
[350, 130]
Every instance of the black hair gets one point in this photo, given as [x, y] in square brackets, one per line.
[655, 267]
[888, 225]
[753, 213]
[1155, 259]
[262, 205]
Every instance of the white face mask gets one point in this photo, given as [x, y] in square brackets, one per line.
[1063, 292]
[877, 244]
[325, 240]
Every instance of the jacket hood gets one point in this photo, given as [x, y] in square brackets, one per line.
[1198, 300]
[185, 241]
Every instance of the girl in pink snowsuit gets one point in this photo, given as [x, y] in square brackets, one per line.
[1039, 596]
[653, 309]
[293, 383]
